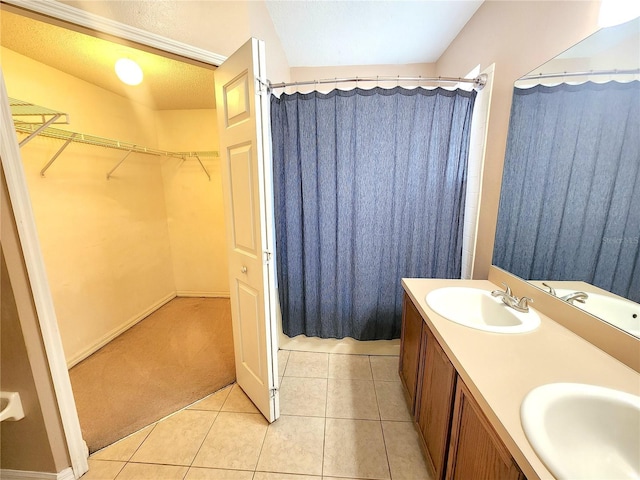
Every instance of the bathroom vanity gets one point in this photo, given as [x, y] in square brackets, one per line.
[465, 386]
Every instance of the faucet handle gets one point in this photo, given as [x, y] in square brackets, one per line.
[524, 302]
[552, 290]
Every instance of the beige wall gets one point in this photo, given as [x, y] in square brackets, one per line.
[105, 242]
[36, 442]
[517, 37]
[195, 212]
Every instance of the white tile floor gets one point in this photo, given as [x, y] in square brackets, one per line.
[342, 417]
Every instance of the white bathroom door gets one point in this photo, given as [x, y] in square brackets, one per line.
[242, 104]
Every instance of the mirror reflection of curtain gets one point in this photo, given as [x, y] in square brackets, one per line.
[369, 188]
[570, 199]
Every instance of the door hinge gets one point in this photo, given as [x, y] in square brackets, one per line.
[267, 256]
[272, 392]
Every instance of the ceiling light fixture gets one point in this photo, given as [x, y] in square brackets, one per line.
[129, 71]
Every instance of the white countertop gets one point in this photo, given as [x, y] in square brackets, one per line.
[500, 369]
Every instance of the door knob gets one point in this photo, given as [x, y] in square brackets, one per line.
[243, 269]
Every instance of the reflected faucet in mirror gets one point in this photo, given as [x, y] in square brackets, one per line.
[613, 309]
[570, 297]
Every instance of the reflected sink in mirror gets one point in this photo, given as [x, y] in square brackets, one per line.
[619, 312]
[476, 308]
[584, 431]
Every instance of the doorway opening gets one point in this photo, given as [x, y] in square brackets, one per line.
[124, 230]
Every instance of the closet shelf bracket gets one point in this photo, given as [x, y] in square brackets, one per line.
[120, 162]
[32, 135]
[57, 154]
[203, 167]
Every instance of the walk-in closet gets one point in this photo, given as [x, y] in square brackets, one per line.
[125, 186]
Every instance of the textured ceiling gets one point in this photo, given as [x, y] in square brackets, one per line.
[371, 32]
[168, 84]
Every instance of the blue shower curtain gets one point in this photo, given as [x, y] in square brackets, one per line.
[369, 188]
[570, 199]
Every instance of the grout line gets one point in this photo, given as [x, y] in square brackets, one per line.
[384, 442]
[204, 438]
[146, 437]
[375, 394]
[324, 436]
[264, 439]
[124, 464]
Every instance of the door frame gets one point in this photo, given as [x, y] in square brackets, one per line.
[18, 192]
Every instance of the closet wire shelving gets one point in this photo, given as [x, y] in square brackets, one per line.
[35, 120]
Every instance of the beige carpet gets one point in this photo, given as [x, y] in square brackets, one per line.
[175, 356]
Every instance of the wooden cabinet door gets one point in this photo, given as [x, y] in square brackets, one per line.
[435, 402]
[410, 347]
[475, 450]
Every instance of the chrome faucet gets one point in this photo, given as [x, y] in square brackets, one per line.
[507, 297]
[569, 298]
[575, 297]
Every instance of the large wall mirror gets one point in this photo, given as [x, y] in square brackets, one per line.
[569, 216]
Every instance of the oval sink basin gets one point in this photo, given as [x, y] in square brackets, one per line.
[584, 431]
[476, 308]
[620, 312]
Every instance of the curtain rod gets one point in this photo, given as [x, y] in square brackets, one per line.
[633, 71]
[478, 82]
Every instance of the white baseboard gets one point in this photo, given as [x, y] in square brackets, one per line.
[101, 342]
[66, 474]
[191, 293]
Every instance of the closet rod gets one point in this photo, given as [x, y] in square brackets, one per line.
[107, 143]
[478, 83]
[634, 71]
[75, 137]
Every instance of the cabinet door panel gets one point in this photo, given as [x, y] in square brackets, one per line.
[475, 450]
[435, 402]
[410, 347]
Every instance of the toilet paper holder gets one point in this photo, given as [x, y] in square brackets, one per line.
[11, 406]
